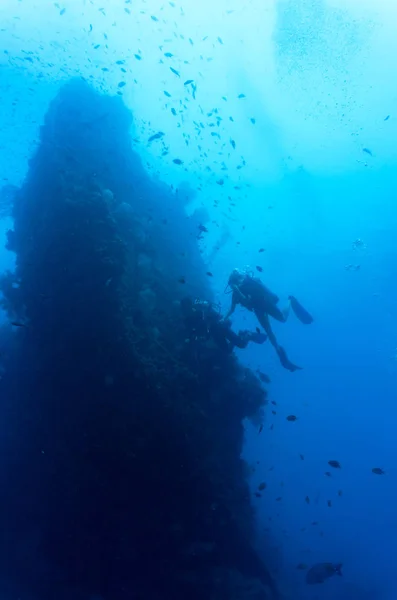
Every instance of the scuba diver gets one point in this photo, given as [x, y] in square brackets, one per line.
[252, 294]
[205, 323]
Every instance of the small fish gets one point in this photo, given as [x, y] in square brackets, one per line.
[274, 402]
[173, 111]
[120, 62]
[329, 503]
[260, 269]
[154, 19]
[233, 144]
[97, 46]
[387, 118]
[368, 151]
[121, 84]
[301, 457]
[378, 471]
[62, 12]
[220, 40]
[220, 182]
[260, 428]
[340, 493]
[182, 280]
[168, 55]
[167, 94]
[156, 136]
[307, 499]
[301, 566]
[328, 474]
[335, 464]
[291, 418]
[138, 56]
[188, 81]
[253, 121]
[90, 28]
[241, 96]
[322, 571]
[261, 250]
[262, 486]
[274, 412]
[175, 72]
[257, 330]
[279, 499]
[178, 161]
[258, 495]
[203, 228]
[209, 274]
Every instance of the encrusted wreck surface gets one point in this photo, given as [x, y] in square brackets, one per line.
[123, 475]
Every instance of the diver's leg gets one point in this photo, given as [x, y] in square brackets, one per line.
[286, 363]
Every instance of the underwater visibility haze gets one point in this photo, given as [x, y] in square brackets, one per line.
[198, 336]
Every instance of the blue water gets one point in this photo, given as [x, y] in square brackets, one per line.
[303, 166]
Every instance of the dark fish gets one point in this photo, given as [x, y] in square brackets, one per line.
[154, 19]
[260, 428]
[167, 94]
[168, 55]
[182, 280]
[220, 182]
[340, 492]
[203, 228]
[262, 486]
[209, 274]
[188, 81]
[307, 499]
[301, 566]
[233, 144]
[156, 136]
[274, 402]
[279, 499]
[368, 151]
[90, 28]
[62, 12]
[253, 121]
[302, 457]
[138, 57]
[175, 72]
[291, 418]
[120, 62]
[328, 474]
[257, 330]
[173, 111]
[220, 40]
[97, 46]
[241, 96]
[258, 495]
[274, 412]
[335, 464]
[329, 503]
[322, 571]
[178, 161]
[301, 313]
[261, 250]
[259, 269]
[121, 84]
[18, 324]
[387, 118]
[378, 471]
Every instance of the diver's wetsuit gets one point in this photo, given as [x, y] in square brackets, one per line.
[204, 323]
[251, 293]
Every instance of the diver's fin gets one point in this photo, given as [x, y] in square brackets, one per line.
[287, 364]
[300, 312]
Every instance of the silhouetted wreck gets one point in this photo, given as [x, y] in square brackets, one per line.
[122, 475]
